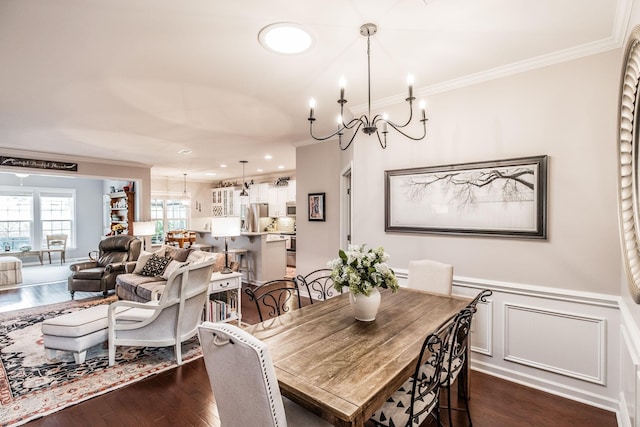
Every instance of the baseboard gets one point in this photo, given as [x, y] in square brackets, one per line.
[554, 388]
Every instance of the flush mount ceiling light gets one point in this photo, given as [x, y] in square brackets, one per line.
[285, 37]
[366, 122]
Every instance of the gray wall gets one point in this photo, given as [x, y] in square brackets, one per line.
[89, 213]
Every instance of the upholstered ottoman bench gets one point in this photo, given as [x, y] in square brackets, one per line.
[10, 270]
[76, 332]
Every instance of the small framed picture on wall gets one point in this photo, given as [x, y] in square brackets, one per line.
[316, 207]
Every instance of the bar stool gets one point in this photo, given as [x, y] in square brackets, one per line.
[239, 255]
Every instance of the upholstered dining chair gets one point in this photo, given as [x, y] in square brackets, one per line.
[170, 321]
[319, 285]
[419, 396]
[240, 370]
[431, 276]
[99, 274]
[275, 297]
[56, 243]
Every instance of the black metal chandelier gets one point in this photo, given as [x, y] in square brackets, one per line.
[368, 124]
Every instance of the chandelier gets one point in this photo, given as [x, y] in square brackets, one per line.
[369, 125]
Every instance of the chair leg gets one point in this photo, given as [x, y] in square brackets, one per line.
[72, 293]
[178, 351]
[448, 387]
[112, 354]
[465, 398]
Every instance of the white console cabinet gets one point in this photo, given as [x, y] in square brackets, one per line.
[224, 298]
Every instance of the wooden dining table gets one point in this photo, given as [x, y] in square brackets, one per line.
[343, 369]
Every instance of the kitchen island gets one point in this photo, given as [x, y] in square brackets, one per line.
[266, 256]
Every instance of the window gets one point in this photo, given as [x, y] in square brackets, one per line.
[169, 214]
[16, 219]
[56, 215]
[27, 216]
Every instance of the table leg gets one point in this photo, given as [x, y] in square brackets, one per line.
[40, 256]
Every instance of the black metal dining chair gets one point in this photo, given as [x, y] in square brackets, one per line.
[419, 396]
[319, 285]
[456, 361]
[275, 297]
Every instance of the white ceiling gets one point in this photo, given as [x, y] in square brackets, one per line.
[142, 79]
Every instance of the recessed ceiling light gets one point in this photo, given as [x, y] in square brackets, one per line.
[268, 157]
[210, 174]
[258, 170]
[280, 167]
[223, 165]
[185, 152]
[285, 37]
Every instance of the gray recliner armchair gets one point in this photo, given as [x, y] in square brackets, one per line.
[116, 255]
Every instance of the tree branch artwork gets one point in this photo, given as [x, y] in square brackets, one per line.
[514, 185]
[497, 198]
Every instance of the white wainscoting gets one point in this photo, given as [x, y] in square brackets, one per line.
[560, 341]
[583, 358]
[629, 371]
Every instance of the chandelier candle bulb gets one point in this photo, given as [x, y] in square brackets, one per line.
[342, 84]
[410, 83]
[423, 107]
[312, 105]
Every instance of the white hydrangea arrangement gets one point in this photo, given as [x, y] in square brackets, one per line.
[362, 270]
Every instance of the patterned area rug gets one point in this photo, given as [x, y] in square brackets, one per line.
[32, 386]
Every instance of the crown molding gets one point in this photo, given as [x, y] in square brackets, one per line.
[619, 31]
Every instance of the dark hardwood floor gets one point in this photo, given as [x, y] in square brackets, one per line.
[183, 395]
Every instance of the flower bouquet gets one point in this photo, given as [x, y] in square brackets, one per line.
[362, 270]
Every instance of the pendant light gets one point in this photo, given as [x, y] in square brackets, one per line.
[186, 201]
[243, 193]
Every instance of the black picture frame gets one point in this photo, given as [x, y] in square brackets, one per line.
[502, 198]
[316, 207]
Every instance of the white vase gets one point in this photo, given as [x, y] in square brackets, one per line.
[365, 307]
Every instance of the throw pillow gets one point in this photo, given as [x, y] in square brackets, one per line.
[155, 266]
[144, 257]
[198, 256]
[179, 254]
[173, 266]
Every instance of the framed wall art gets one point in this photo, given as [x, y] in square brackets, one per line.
[316, 207]
[503, 198]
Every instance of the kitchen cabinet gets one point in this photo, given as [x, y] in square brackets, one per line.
[259, 193]
[223, 202]
[291, 191]
[278, 197]
[122, 212]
